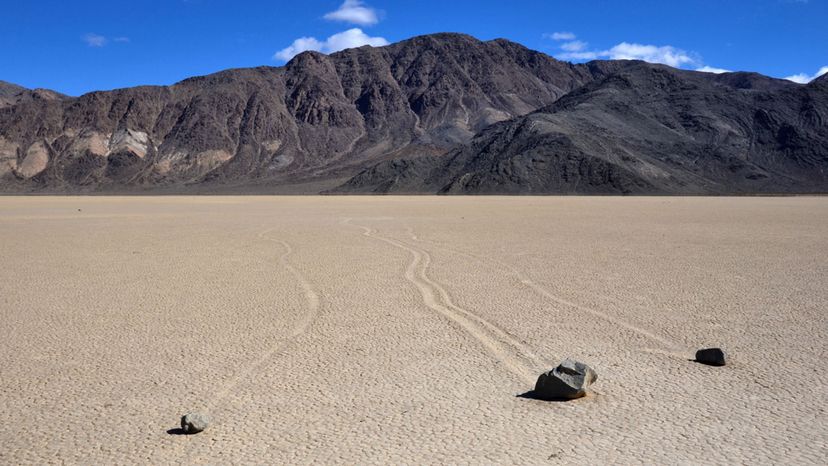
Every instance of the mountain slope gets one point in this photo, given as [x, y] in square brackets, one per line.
[317, 118]
[641, 129]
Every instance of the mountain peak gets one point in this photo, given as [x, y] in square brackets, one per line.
[442, 37]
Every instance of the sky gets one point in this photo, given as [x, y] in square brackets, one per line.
[77, 46]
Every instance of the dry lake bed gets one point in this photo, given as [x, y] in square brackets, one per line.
[398, 330]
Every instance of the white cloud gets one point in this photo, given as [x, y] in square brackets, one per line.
[351, 38]
[711, 69]
[354, 12]
[573, 49]
[803, 78]
[94, 40]
[665, 54]
[560, 36]
[344, 40]
[574, 46]
[800, 78]
[298, 46]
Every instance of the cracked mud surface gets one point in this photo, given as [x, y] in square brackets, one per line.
[402, 329]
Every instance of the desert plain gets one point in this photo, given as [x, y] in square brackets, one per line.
[404, 330]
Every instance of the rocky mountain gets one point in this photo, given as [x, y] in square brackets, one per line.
[644, 129]
[439, 113]
[9, 93]
[317, 118]
[12, 94]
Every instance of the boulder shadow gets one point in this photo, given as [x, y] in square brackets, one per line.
[534, 395]
[176, 431]
[705, 363]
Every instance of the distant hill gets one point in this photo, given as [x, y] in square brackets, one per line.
[439, 113]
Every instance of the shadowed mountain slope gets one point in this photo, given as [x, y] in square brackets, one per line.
[642, 129]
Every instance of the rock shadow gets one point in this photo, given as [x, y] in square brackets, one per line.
[534, 395]
[706, 363]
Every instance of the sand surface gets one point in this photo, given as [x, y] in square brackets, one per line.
[400, 330]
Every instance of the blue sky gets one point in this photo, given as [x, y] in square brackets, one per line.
[83, 45]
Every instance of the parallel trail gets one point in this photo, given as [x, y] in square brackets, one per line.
[674, 348]
[515, 355]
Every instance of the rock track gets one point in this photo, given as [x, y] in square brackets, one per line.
[669, 347]
[313, 304]
[511, 352]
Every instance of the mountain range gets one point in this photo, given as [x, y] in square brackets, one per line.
[442, 113]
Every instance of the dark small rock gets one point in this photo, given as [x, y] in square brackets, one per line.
[194, 423]
[568, 381]
[711, 356]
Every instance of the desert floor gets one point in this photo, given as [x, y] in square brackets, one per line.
[403, 329]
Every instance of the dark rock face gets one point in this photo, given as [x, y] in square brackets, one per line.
[568, 381]
[643, 129]
[711, 356]
[194, 423]
[318, 117]
[442, 113]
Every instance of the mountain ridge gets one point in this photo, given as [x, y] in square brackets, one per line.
[12, 94]
[649, 129]
[323, 122]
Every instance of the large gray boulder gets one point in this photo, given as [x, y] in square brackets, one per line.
[568, 381]
[711, 356]
[193, 423]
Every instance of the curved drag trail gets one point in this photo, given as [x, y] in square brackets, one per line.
[514, 355]
[312, 299]
[673, 348]
[313, 304]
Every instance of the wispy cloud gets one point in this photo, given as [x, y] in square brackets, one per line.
[711, 69]
[560, 36]
[574, 46]
[803, 78]
[344, 40]
[94, 40]
[97, 40]
[354, 12]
